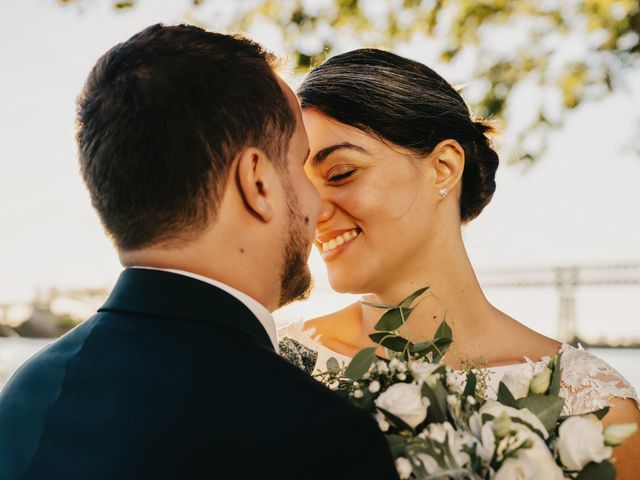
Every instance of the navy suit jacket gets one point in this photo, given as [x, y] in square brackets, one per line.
[175, 378]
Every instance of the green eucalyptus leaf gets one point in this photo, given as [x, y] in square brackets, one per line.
[470, 387]
[437, 395]
[393, 319]
[444, 331]
[598, 471]
[554, 386]
[407, 302]
[393, 342]
[397, 445]
[505, 396]
[395, 420]
[600, 413]
[378, 305]
[332, 365]
[546, 407]
[360, 363]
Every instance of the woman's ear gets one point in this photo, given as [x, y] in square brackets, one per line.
[255, 176]
[448, 163]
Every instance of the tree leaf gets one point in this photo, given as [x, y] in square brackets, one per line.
[411, 298]
[598, 471]
[546, 407]
[505, 396]
[388, 340]
[360, 363]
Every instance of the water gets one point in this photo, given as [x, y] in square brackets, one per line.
[15, 351]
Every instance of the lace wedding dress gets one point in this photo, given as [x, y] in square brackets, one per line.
[588, 383]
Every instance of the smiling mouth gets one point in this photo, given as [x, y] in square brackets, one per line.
[338, 241]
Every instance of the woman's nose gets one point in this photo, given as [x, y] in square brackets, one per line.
[326, 210]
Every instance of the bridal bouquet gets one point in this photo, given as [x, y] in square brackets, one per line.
[440, 424]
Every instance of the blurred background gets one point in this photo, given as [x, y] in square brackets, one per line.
[558, 248]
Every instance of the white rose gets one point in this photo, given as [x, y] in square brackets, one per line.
[403, 466]
[530, 463]
[484, 434]
[580, 441]
[422, 370]
[405, 401]
[615, 434]
[517, 383]
[495, 409]
[540, 382]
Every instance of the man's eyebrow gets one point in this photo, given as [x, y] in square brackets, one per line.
[325, 152]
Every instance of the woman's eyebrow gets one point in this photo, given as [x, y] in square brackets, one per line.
[325, 152]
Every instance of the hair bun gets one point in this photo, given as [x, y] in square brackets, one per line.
[478, 179]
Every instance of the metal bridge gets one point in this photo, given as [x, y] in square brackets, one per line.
[566, 280]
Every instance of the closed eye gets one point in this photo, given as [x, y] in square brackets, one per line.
[341, 176]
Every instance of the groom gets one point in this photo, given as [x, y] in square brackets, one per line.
[192, 150]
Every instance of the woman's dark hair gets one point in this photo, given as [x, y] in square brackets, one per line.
[160, 120]
[408, 104]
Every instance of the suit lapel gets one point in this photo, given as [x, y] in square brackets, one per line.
[164, 294]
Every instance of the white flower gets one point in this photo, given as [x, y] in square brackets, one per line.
[456, 382]
[502, 425]
[540, 382]
[374, 387]
[396, 365]
[429, 463]
[456, 440]
[495, 409]
[615, 434]
[403, 466]
[405, 401]
[471, 400]
[532, 460]
[421, 370]
[382, 366]
[382, 421]
[358, 394]
[517, 383]
[580, 441]
[402, 377]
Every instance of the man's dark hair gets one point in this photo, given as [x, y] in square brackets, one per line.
[160, 120]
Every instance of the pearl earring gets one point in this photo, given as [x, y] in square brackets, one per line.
[443, 192]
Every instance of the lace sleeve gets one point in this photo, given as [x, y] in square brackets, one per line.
[589, 383]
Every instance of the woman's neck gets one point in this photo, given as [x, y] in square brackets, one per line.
[454, 293]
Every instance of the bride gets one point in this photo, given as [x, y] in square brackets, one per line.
[400, 166]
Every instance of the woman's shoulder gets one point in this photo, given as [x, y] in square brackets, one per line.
[590, 383]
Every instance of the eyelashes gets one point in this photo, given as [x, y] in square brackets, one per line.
[341, 176]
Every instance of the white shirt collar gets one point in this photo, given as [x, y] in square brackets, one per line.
[260, 311]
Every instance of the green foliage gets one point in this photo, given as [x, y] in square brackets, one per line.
[360, 363]
[598, 471]
[460, 30]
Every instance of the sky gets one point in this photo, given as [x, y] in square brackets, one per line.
[577, 205]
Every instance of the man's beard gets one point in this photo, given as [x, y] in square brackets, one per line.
[295, 279]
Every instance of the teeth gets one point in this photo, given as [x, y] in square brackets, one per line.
[339, 240]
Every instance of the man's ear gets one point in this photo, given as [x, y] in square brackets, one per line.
[255, 177]
[448, 162]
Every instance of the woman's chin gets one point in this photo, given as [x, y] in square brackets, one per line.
[346, 285]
